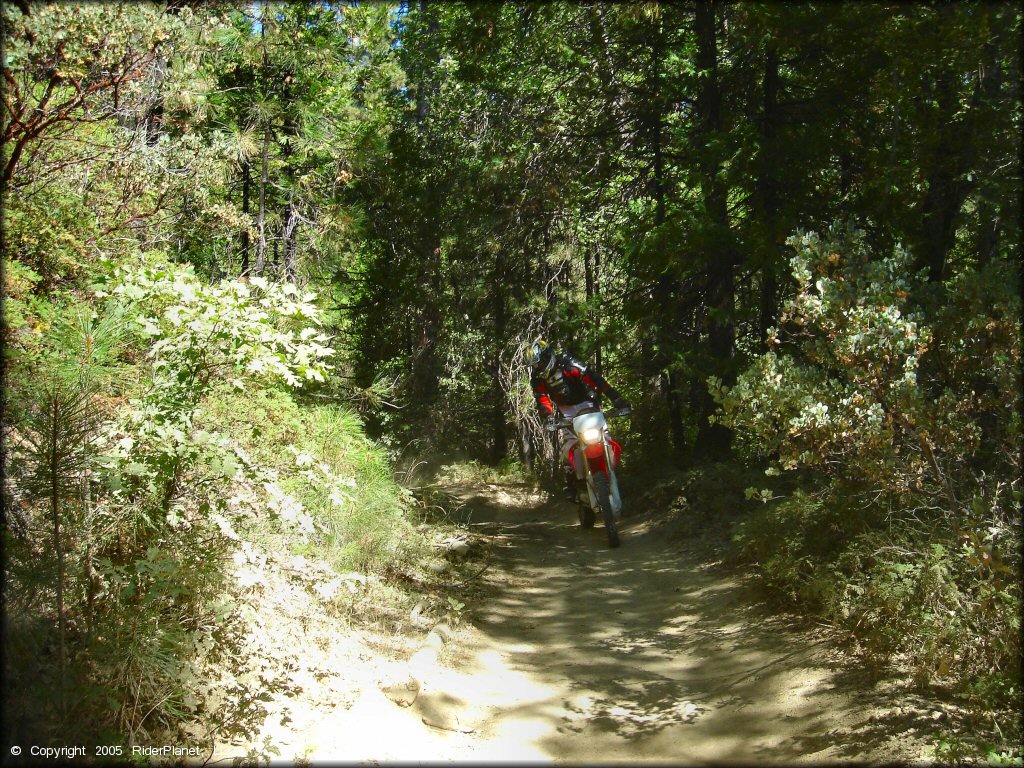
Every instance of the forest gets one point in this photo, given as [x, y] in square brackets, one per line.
[263, 260]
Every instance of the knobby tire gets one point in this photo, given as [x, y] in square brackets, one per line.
[605, 502]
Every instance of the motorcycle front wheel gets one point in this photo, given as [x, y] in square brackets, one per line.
[605, 502]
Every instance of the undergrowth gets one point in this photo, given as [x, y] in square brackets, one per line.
[473, 471]
[945, 608]
[182, 499]
[338, 475]
[892, 404]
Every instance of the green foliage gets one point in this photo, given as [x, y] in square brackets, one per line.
[201, 334]
[56, 423]
[787, 540]
[472, 472]
[200, 331]
[88, 41]
[55, 427]
[330, 472]
[69, 65]
[913, 539]
[842, 394]
[453, 179]
[161, 504]
[51, 236]
[118, 141]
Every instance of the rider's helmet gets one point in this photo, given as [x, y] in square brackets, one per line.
[540, 357]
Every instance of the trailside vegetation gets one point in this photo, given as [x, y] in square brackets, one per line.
[257, 255]
[905, 525]
[173, 431]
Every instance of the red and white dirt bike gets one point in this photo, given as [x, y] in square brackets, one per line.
[595, 457]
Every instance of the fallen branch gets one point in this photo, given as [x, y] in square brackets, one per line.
[454, 729]
[473, 577]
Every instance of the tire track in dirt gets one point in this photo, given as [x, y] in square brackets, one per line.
[652, 652]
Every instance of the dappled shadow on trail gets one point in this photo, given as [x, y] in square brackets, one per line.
[651, 652]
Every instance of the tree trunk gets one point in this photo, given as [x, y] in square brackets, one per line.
[946, 194]
[499, 446]
[246, 193]
[665, 291]
[591, 279]
[989, 227]
[675, 415]
[767, 197]
[291, 241]
[261, 224]
[526, 451]
[291, 221]
[954, 154]
[989, 215]
[58, 545]
[714, 439]
[90, 574]
[598, 358]
[423, 364]
[588, 281]
[427, 87]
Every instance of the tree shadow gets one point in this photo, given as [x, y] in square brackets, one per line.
[663, 653]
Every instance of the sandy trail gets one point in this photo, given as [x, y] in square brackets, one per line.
[570, 652]
[573, 652]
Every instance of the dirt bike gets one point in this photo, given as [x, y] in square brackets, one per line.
[595, 457]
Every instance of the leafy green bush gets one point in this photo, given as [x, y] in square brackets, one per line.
[897, 402]
[473, 471]
[157, 520]
[53, 236]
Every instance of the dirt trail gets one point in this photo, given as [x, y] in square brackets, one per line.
[571, 652]
[575, 652]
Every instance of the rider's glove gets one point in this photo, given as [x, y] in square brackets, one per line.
[621, 405]
[549, 424]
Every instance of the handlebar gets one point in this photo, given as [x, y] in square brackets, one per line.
[556, 424]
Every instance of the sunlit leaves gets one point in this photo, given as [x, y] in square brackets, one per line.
[202, 331]
[841, 391]
[199, 334]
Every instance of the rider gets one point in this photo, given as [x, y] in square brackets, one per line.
[565, 383]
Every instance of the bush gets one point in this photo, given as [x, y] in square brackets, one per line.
[154, 508]
[331, 469]
[897, 402]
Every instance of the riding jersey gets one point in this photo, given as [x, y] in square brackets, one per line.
[569, 383]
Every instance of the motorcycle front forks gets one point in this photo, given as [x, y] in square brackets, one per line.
[613, 481]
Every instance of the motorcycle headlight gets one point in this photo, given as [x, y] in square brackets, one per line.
[591, 435]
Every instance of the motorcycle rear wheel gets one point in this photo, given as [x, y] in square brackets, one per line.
[605, 502]
[586, 515]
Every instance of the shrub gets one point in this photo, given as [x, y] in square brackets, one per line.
[330, 470]
[899, 402]
[159, 502]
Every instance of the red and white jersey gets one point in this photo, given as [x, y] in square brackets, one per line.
[567, 386]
